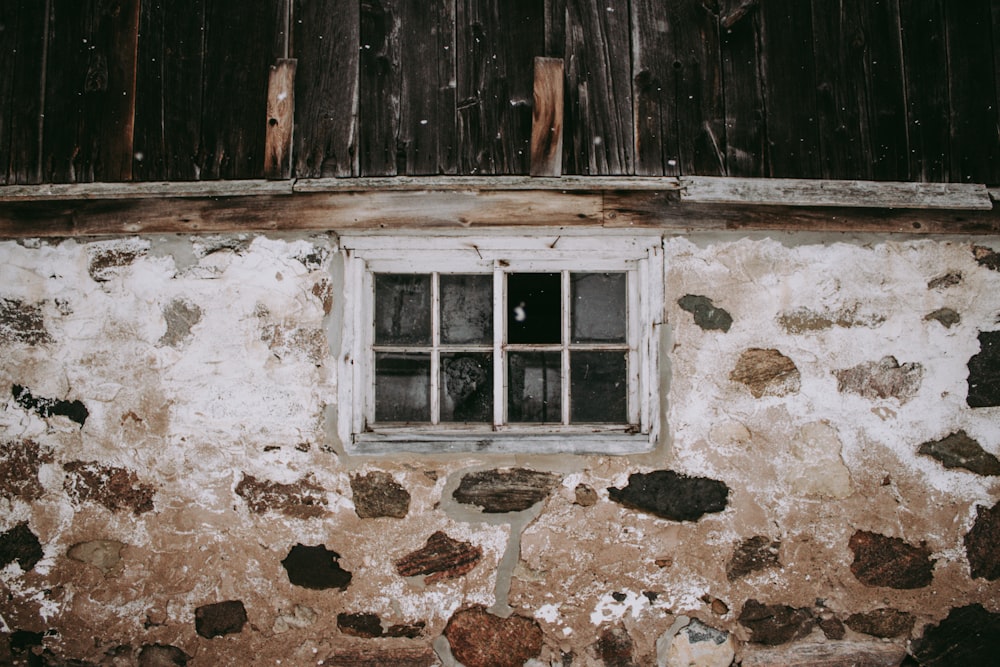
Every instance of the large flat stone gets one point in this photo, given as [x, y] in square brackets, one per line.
[984, 372]
[968, 637]
[510, 490]
[829, 654]
[480, 639]
[889, 561]
[440, 558]
[982, 544]
[670, 495]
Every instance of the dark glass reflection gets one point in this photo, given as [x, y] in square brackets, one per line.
[599, 307]
[534, 303]
[534, 393]
[402, 309]
[598, 387]
[467, 387]
[466, 309]
[402, 387]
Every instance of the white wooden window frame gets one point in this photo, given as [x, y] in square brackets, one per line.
[640, 257]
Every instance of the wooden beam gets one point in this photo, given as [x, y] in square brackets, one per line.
[547, 118]
[280, 120]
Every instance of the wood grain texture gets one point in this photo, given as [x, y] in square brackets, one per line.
[326, 44]
[653, 91]
[280, 120]
[884, 70]
[378, 84]
[746, 133]
[547, 118]
[21, 90]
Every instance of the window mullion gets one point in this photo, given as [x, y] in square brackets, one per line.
[499, 354]
[435, 397]
[564, 374]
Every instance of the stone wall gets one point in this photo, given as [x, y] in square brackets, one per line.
[172, 491]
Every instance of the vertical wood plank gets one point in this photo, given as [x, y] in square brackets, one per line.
[326, 43]
[555, 28]
[378, 95]
[653, 90]
[884, 71]
[547, 118]
[280, 120]
[789, 83]
[746, 133]
[21, 90]
[599, 88]
[69, 32]
[926, 79]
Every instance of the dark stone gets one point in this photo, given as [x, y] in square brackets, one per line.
[697, 633]
[377, 494]
[889, 561]
[619, 597]
[706, 315]
[982, 544]
[968, 637]
[48, 407]
[20, 461]
[22, 323]
[832, 627]
[106, 257]
[669, 495]
[440, 558]
[616, 648]
[303, 499]
[945, 316]
[947, 280]
[585, 496]
[220, 618]
[115, 488]
[20, 544]
[511, 490]
[986, 257]
[160, 655]
[181, 316]
[766, 372]
[753, 554]
[774, 624]
[884, 378]
[382, 657]
[368, 626]
[480, 639]
[885, 623]
[984, 372]
[316, 568]
[958, 450]
[406, 630]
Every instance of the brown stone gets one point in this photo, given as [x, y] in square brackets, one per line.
[323, 290]
[968, 637]
[382, 657]
[510, 490]
[159, 655]
[364, 625]
[302, 499]
[407, 630]
[829, 654]
[616, 648]
[480, 639]
[22, 545]
[308, 343]
[832, 627]
[885, 623]
[20, 461]
[106, 258]
[946, 317]
[378, 494]
[890, 562]
[440, 558]
[950, 279]
[766, 372]
[115, 488]
[982, 544]
[885, 378]
[220, 618]
[986, 257]
[670, 495]
[804, 320]
[958, 450]
[22, 322]
[753, 554]
[585, 496]
[315, 567]
[102, 554]
[775, 623]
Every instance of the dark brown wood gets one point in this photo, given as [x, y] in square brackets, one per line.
[280, 120]
[739, 32]
[887, 115]
[555, 28]
[547, 118]
[653, 90]
[21, 90]
[378, 98]
[326, 45]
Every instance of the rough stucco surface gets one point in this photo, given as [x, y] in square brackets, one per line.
[204, 453]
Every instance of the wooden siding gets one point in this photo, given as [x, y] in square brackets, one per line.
[150, 90]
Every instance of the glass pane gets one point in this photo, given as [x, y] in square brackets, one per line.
[467, 309]
[467, 387]
[533, 308]
[533, 390]
[402, 309]
[598, 307]
[598, 387]
[402, 387]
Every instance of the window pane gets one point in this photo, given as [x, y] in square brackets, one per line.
[599, 301]
[402, 387]
[598, 387]
[402, 309]
[467, 387]
[467, 309]
[533, 308]
[533, 390]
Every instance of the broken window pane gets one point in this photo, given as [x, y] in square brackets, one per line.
[466, 309]
[402, 387]
[402, 309]
[467, 387]
[598, 307]
[534, 303]
[598, 387]
[534, 393]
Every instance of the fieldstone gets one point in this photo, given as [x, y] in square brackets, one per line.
[22, 545]
[774, 624]
[378, 494]
[885, 378]
[968, 637]
[302, 499]
[315, 567]
[701, 645]
[364, 625]
[982, 544]
[22, 322]
[308, 343]
[107, 258]
[706, 315]
[585, 496]
[301, 617]
[804, 320]
[480, 639]
[817, 469]
[509, 490]
[616, 648]
[766, 373]
[406, 630]
[890, 562]
[75, 411]
[20, 461]
[115, 488]
[323, 290]
[831, 626]
[220, 618]
[102, 554]
[670, 495]
[885, 623]
[382, 657]
[440, 558]
[986, 257]
[828, 654]
[751, 555]
[180, 315]
[958, 450]
[984, 372]
[160, 655]
[944, 316]
[950, 279]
